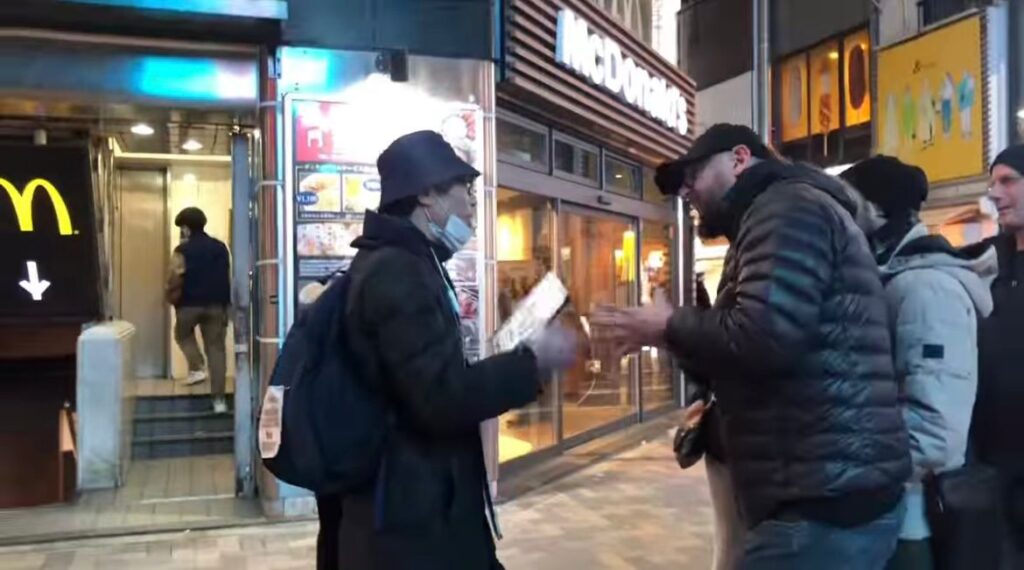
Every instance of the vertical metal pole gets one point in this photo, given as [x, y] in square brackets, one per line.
[266, 335]
[1015, 63]
[683, 280]
[241, 255]
[761, 84]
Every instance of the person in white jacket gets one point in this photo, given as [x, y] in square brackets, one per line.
[936, 296]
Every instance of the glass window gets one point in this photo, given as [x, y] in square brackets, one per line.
[597, 256]
[520, 143]
[652, 193]
[577, 161]
[523, 242]
[657, 375]
[622, 177]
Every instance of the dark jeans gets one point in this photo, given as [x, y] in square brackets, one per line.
[912, 555]
[809, 545]
[328, 508]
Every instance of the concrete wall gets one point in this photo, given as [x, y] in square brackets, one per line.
[726, 102]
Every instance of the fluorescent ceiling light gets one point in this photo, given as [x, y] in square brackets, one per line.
[142, 129]
[192, 145]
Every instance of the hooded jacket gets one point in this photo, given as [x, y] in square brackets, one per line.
[426, 508]
[936, 296]
[797, 350]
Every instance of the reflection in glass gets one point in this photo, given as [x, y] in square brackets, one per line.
[622, 177]
[521, 144]
[656, 366]
[597, 256]
[523, 244]
[576, 160]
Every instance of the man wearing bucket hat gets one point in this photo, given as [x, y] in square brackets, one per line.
[430, 503]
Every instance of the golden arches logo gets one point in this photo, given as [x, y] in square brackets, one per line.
[22, 202]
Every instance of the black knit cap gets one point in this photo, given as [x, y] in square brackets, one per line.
[895, 187]
[1013, 157]
[718, 138]
[415, 163]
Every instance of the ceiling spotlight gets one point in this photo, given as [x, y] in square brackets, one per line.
[1020, 113]
[142, 129]
[192, 145]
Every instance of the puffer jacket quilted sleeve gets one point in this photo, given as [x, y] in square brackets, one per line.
[798, 350]
[936, 361]
[786, 257]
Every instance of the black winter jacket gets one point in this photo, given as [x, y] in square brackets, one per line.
[207, 280]
[997, 422]
[427, 507]
[797, 349]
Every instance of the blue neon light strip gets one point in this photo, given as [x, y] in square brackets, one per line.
[190, 79]
[270, 9]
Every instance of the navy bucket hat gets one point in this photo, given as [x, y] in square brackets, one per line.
[415, 163]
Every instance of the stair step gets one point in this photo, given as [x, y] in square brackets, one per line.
[213, 435]
[183, 445]
[181, 423]
[175, 404]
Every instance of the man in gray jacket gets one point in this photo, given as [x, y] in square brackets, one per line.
[936, 294]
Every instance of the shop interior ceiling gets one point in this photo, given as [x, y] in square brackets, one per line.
[19, 117]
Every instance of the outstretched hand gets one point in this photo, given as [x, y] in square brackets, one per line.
[629, 330]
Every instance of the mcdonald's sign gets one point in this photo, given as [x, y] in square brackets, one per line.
[22, 202]
[50, 260]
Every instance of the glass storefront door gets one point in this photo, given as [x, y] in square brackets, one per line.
[524, 244]
[603, 259]
[597, 259]
[657, 373]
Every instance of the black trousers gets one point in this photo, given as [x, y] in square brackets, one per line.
[329, 510]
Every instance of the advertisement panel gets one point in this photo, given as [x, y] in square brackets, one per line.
[49, 258]
[857, 78]
[334, 181]
[930, 101]
[793, 98]
[824, 72]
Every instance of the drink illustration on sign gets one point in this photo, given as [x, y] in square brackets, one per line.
[33, 284]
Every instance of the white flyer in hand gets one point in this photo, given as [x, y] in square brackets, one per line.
[532, 314]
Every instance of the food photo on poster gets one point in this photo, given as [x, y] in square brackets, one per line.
[318, 193]
[361, 189]
[327, 239]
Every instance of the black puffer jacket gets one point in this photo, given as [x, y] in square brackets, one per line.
[427, 508]
[798, 352]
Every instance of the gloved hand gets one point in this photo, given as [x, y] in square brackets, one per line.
[554, 347]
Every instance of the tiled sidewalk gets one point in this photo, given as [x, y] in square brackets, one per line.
[635, 511]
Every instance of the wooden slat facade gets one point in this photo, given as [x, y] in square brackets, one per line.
[537, 81]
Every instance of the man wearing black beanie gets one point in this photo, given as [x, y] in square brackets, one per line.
[936, 295]
[998, 421]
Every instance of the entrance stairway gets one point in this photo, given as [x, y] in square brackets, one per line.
[181, 426]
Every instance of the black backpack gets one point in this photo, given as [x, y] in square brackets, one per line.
[330, 425]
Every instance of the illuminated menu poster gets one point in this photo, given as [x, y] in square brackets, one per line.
[336, 146]
[49, 259]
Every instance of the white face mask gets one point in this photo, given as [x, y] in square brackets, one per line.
[454, 235]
